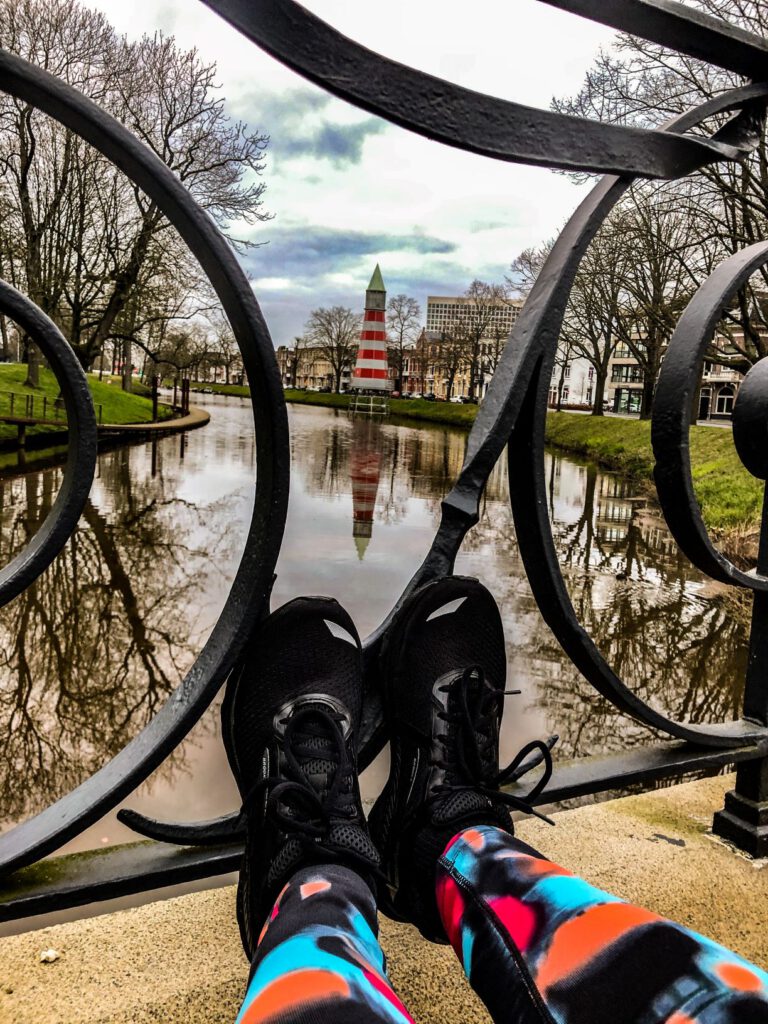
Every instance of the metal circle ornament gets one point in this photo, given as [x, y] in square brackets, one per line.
[251, 586]
[678, 383]
[59, 524]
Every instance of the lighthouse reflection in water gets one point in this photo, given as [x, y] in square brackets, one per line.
[364, 472]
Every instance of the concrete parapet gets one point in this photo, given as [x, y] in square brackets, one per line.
[180, 960]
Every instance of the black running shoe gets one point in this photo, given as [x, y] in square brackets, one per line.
[289, 720]
[444, 666]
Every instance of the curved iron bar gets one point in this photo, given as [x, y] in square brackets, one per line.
[457, 116]
[750, 425]
[514, 410]
[62, 519]
[250, 590]
[679, 377]
[515, 406]
[679, 27]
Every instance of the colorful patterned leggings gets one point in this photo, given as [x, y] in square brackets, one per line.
[537, 944]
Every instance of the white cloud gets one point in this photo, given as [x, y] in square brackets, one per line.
[273, 284]
[334, 171]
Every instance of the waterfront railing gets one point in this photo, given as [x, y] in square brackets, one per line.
[512, 416]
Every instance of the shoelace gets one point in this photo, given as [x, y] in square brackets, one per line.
[293, 801]
[475, 736]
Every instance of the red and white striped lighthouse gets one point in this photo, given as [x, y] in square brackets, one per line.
[364, 471]
[371, 371]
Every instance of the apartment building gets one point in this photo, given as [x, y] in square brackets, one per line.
[719, 384]
[427, 366]
[309, 368]
[573, 382]
[445, 312]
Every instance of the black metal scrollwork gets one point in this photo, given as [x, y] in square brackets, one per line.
[53, 534]
[248, 596]
[514, 409]
[513, 412]
[680, 373]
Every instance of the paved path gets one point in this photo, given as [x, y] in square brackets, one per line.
[196, 417]
[180, 961]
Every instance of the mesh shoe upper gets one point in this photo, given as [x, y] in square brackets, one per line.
[290, 717]
[445, 666]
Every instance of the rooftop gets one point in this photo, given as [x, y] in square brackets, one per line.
[377, 281]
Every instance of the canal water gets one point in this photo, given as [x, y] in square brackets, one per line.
[90, 652]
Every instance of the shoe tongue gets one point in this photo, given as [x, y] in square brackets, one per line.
[316, 743]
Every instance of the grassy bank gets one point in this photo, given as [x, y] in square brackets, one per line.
[238, 390]
[406, 408]
[116, 405]
[297, 397]
[729, 497]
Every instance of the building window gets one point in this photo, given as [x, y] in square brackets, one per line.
[724, 403]
[626, 374]
[628, 400]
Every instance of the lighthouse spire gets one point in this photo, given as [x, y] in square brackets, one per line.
[371, 371]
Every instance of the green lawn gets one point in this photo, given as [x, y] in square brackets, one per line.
[728, 495]
[112, 404]
[238, 390]
[408, 408]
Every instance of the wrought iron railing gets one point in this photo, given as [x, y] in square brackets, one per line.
[513, 414]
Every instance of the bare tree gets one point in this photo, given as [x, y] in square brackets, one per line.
[630, 287]
[493, 349]
[294, 358]
[726, 203]
[336, 331]
[658, 281]
[591, 326]
[80, 238]
[477, 316]
[451, 357]
[403, 324]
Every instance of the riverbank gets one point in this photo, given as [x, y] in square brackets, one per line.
[730, 499]
[452, 415]
[113, 406]
[180, 960]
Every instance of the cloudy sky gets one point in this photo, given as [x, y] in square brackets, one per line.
[347, 190]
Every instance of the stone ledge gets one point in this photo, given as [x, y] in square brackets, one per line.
[180, 960]
[195, 418]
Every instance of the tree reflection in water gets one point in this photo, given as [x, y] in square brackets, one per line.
[94, 647]
[671, 634]
[89, 653]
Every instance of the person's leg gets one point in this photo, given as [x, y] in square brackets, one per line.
[530, 934]
[305, 905]
[540, 946]
[318, 956]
